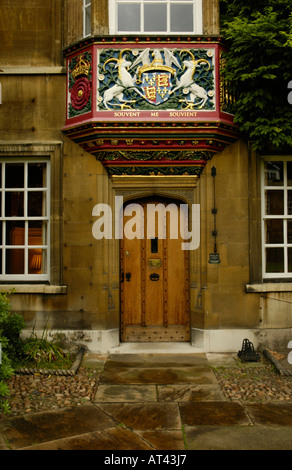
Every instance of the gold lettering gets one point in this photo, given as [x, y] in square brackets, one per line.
[183, 114]
[126, 113]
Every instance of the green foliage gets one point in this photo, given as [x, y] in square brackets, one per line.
[258, 69]
[40, 350]
[11, 325]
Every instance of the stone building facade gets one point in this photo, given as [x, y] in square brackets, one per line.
[102, 104]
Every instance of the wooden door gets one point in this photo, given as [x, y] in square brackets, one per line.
[154, 283]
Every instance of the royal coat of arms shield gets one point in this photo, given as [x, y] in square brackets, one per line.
[156, 86]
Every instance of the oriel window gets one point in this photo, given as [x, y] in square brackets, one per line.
[155, 16]
[86, 18]
[24, 220]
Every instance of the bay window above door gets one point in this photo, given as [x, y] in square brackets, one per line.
[155, 16]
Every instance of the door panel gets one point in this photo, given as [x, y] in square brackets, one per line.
[154, 286]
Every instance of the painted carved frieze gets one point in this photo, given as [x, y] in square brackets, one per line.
[156, 79]
[149, 106]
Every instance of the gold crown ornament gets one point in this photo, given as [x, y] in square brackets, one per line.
[81, 68]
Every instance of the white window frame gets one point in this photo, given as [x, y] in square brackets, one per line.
[86, 6]
[25, 218]
[285, 217]
[197, 20]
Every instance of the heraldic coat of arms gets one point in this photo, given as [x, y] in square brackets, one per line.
[147, 79]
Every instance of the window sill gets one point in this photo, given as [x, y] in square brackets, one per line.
[33, 289]
[268, 287]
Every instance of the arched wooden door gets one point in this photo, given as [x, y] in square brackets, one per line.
[154, 278]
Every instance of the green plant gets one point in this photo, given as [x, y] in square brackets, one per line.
[11, 325]
[40, 350]
[6, 372]
[258, 69]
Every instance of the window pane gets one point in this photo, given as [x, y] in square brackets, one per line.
[274, 174]
[14, 204]
[129, 17]
[14, 175]
[87, 21]
[289, 202]
[290, 260]
[35, 261]
[15, 261]
[289, 230]
[274, 202]
[15, 233]
[37, 233]
[181, 18]
[36, 175]
[289, 173]
[274, 231]
[36, 205]
[155, 18]
[274, 260]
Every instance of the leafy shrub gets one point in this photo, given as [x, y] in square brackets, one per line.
[6, 372]
[11, 325]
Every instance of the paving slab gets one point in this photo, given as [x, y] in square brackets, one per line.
[156, 360]
[155, 401]
[213, 413]
[115, 439]
[270, 413]
[182, 393]
[125, 393]
[164, 440]
[48, 426]
[3, 445]
[238, 437]
[175, 375]
[145, 416]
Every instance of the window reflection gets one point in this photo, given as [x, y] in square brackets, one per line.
[181, 18]
[274, 174]
[155, 18]
[129, 17]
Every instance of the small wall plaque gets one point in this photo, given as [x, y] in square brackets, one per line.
[214, 258]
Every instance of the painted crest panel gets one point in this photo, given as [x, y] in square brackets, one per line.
[161, 79]
[80, 85]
